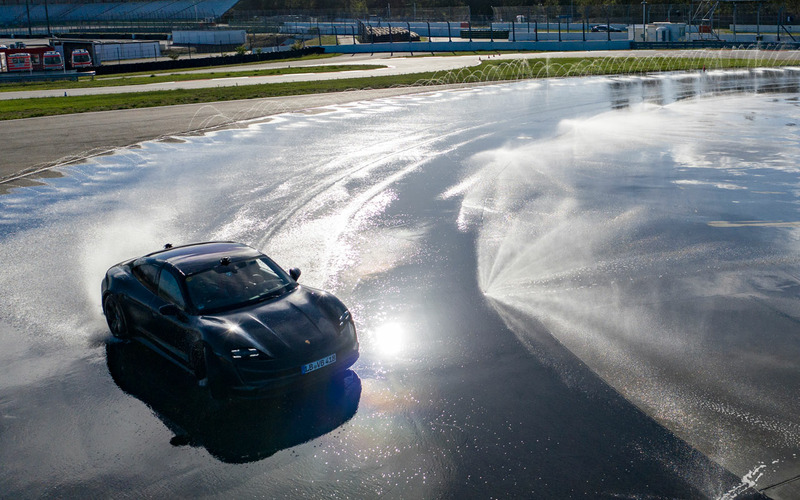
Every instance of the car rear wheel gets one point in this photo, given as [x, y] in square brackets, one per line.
[115, 317]
[204, 365]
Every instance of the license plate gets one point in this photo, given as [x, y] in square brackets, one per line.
[316, 365]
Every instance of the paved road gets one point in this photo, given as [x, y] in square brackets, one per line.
[400, 65]
[31, 146]
[476, 236]
[72, 137]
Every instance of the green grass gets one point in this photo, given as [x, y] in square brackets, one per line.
[557, 67]
[139, 79]
[326, 40]
[488, 71]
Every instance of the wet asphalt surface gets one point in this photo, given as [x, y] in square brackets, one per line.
[505, 259]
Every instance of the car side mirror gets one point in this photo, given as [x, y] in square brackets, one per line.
[294, 273]
[169, 310]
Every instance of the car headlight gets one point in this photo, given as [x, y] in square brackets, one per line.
[346, 325]
[248, 353]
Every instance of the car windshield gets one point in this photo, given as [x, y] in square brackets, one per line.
[231, 285]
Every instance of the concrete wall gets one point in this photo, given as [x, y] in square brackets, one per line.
[522, 36]
[438, 29]
[475, 46]
[748, 38]
[209, 37]
[110, 52]
[764, 28]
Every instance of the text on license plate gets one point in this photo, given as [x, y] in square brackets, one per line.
[316, 365]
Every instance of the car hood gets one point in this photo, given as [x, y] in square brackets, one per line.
[301, 321]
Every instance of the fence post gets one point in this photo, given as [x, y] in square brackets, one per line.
[758, 21]
[536, 31]
[430, 38]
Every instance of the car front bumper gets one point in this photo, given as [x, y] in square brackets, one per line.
[255, 384]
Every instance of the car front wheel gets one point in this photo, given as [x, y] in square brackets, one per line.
[204, 365]
[115, 317]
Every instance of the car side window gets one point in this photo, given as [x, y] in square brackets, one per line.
[147, 274]
[170, 290]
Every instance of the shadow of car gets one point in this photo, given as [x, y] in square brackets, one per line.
[231, 431]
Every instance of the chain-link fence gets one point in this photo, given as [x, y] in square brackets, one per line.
[725, 14]
[760, 17]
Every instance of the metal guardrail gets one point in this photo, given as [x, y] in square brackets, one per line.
[43, 76]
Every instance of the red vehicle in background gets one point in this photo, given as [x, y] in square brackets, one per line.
[20, 61]
[52, 61]
[80, 58]
[35, 56]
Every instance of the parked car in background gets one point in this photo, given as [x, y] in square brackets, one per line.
[607, 28]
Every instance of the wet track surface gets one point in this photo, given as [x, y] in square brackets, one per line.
[567, 288]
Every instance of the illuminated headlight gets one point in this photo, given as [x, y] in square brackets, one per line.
[346, 325]
[247, 353]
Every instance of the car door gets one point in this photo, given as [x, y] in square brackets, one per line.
[174, 329]
[139, 303]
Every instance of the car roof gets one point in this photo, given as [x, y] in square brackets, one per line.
[190, 259]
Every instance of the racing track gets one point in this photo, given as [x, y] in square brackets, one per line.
[553, 297]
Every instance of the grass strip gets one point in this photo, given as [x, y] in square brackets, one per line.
[488, 71]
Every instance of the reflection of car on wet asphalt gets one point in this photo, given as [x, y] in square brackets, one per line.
[606, 27]
[230, 316]
[239, 431]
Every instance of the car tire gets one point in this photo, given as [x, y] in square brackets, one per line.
[204, 366]
[115, 317]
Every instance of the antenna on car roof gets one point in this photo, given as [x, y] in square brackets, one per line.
[167, 246]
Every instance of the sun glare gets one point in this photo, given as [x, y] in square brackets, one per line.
[389, 338]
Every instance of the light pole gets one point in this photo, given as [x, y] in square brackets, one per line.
[47, 16]
[644, 19]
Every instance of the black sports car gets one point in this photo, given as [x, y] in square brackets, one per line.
[230, 316]
[607, 27]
